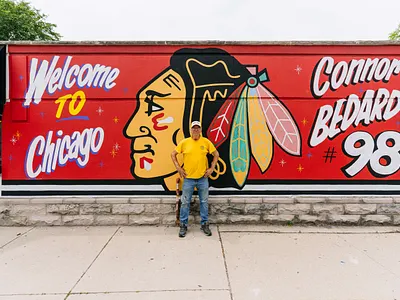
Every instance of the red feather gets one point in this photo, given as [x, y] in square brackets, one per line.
[220, 126]
[280, 122]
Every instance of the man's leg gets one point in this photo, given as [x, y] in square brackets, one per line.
[187, 192]
[202, 188]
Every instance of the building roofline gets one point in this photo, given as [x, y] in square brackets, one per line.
[206, 42]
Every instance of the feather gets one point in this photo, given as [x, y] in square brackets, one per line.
[239, 144]
[280, 122]
[220, 126]
[261, 142]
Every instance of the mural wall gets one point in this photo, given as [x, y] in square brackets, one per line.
[286, 120]
[2, 89]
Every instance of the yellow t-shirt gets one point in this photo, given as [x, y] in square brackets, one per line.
[195, 161]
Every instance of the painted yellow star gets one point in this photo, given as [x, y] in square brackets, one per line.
[18, 134]
[300, 168]
[116, 120]
[113, 153]
[304, 121]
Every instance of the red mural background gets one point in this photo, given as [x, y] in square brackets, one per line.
[290, 71]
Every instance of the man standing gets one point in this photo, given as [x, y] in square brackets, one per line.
[195, 172]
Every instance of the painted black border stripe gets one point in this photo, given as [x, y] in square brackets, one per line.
[215, 193]
[252, 182]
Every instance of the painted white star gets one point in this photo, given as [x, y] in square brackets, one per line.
[100, 110]
[13, 140]
[298, 69]
[117, 146]
[282, 162]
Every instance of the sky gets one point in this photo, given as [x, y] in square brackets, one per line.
[228, 20]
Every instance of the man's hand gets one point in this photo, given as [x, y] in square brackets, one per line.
[214, 162]
[208, 172]
[182, 172]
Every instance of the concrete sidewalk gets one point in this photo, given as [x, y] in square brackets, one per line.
[237, 262]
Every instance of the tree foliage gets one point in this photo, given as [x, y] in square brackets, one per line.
[395, 35]
[19, 21]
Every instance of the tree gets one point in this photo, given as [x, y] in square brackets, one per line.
[19, 21]
[395, 35]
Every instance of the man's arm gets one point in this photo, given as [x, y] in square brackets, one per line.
[180, 170]
[213, 163]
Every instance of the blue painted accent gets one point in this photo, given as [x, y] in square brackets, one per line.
[83, 74]
[253, 92]
[82, 155]
[96, 142]
[36, 154]
[263, 77]
[74, 118]
[47, 85]
[44, 151]
[252, 84]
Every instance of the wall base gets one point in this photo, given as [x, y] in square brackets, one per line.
[299, 210]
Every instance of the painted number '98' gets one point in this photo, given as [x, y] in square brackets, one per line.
[382, 154]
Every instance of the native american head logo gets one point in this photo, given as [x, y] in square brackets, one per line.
[240, 116]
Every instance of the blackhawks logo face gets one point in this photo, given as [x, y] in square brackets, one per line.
[240, 116]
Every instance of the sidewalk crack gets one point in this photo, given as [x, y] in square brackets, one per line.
[371, 258]
[17, 237]
[225, 263]
[84, 273]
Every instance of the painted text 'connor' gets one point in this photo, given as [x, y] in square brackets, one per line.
[328, 75]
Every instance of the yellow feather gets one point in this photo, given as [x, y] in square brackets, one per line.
[261, 140]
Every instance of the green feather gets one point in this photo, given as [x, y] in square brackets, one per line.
[239, 142]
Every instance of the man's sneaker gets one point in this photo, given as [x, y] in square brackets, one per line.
[206, 229]
[182, 231]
